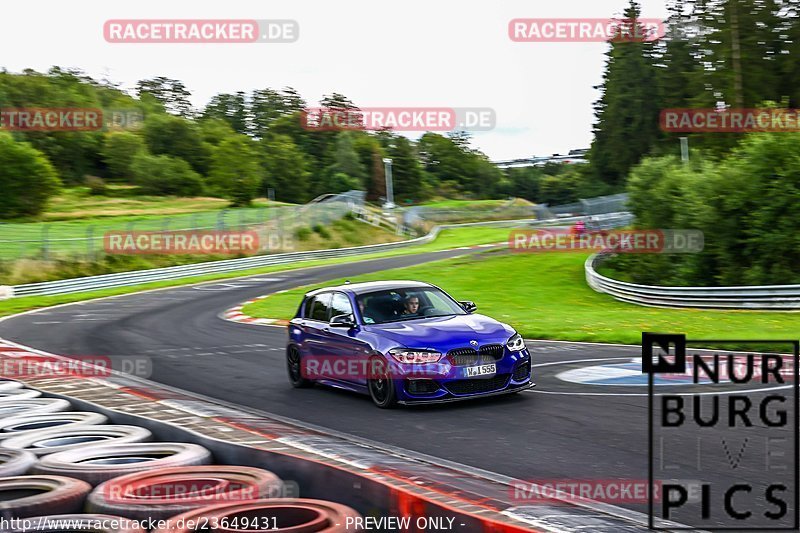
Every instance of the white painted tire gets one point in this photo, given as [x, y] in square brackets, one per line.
[17, 426]
[102, 462]
[77, 437]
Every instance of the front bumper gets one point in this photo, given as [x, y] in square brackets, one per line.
[447, 399]
[444, 381]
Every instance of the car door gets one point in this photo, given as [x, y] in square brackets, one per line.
[345, 345]
[315, 318]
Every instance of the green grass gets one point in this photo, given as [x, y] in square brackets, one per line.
[75, 214]
[447, 239]
[545, 296]
[465, 204]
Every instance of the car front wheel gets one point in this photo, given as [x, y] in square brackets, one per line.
[381, 385]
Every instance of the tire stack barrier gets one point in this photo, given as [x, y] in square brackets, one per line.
[84, 472]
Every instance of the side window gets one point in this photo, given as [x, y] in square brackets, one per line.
[341, 305]
[320, 307]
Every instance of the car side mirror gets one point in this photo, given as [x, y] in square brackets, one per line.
[468, 306]
[342, 321]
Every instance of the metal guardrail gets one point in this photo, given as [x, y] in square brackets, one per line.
[123, 279]
[765, 297]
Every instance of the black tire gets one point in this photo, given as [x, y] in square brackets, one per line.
[56, 440]
[15, 462]
[101, 462]
[162, 493]
[16, 426]
[31, 406]
[79, 522]
[380, 384]
[294, 368]
[27, 496]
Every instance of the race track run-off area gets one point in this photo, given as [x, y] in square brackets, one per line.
[585, 420]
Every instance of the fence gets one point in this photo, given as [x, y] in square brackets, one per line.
[766, 297]
[123, 279]
[82, 240]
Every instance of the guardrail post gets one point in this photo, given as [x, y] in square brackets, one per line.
[90, 243]
[45, 242]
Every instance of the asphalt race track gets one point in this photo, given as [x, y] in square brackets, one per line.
[577, 423]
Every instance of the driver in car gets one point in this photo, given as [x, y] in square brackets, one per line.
[411, 305]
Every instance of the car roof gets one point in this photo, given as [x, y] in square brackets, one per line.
[371, 286]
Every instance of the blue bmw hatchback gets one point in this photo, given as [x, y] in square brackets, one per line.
[403, 342]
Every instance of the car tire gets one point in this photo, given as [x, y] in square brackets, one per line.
[162, 493]
[10, 395]
[380, 384]
[57, 494]
[17, 426]
[33, 406]
[15, 462]
[99, 463]
[294, 367]
[79, 522]
[290, 514]
[56, 440]
[10, 384]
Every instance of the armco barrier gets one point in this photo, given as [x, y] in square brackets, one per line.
[374, 480]
[764, 297]
[124, 279]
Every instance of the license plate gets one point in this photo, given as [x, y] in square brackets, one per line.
[482, 370]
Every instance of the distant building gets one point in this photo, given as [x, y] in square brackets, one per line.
[576, 156]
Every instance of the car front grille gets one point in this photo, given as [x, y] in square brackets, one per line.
[491, 353]
[522, 372]
[477, 385]
[421, 386]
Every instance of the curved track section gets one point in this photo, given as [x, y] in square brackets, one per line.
[572, 426]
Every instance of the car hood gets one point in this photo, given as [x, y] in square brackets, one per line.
[444, 333]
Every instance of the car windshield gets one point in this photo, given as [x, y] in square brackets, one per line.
[395, 305]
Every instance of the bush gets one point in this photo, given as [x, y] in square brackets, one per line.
[97, 187]
[165, 175]
[236, 171]
[322, 231]
[303, 234]
[119, 150]
[27, 179]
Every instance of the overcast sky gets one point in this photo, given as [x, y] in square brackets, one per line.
[425, 53]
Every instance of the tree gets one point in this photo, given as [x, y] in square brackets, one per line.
[236, 171]
[232, 108]
[165, 175]
[285, 169]
[172, 94]
[347, 162]
[119, 149]
[27, 179]
[627, 112]
[176, 137]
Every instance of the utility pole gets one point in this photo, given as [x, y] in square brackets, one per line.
[389, 189]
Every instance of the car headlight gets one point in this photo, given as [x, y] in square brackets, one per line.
[515, 343]
[403, 355]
